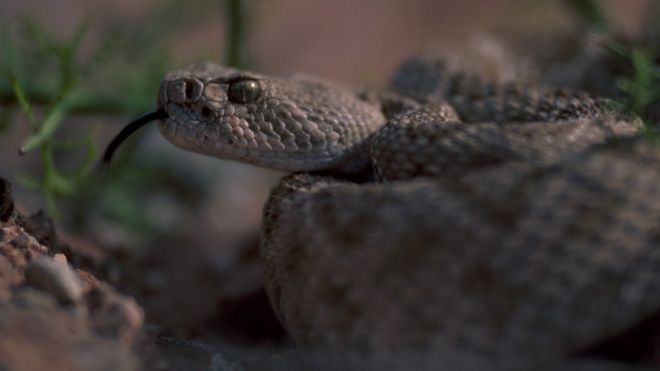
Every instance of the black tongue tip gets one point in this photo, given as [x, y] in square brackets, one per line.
[130, 129]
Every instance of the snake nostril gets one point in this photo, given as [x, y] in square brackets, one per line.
[182, 91]
[206, 112]
[193, 89]
[189, 90]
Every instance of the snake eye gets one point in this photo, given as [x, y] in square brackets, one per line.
[243, 91]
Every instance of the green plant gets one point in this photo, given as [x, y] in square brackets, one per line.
[590, 14]
[641, 87]
[106, 66]
[237, 28]
[64, 88]
[48, 79]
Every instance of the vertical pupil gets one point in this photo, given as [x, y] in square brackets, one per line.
[243, 91]
[248, 89]
[245, 87]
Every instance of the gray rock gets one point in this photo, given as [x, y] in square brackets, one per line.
[55, 278]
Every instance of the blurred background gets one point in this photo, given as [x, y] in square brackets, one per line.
[180, 231]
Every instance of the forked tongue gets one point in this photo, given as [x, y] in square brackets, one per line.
[130, 129]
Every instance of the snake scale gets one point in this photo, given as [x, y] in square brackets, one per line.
[444, 220]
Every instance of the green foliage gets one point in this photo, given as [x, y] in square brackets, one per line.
[55, 182]
[642, 86]
[107, 66]
[590, 13]
[38, 69]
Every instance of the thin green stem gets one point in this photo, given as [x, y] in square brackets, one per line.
[49, 125]
[237, 18]
[82, 101]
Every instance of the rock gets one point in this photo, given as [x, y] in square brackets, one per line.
[54, 277]
[10, 277]
[29, 298]
[88, 280]
[6, 201]
[114, 315]
[39, 226]
[94, 331]
[27, 244]
[16, 248]
[60, 258]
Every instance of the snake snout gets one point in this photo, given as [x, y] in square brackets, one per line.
[179, 91]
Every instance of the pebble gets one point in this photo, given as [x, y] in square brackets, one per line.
[60, 258]
[54, 277]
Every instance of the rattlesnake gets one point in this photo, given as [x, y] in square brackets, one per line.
[444, 219]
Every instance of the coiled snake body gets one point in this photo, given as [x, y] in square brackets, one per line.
[500, 223]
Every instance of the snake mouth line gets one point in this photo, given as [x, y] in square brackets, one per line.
[129, 129]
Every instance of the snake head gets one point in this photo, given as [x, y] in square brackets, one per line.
[291, 124]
